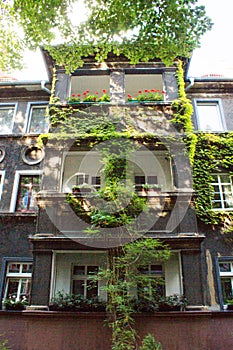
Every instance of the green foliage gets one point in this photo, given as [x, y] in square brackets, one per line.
[182, 106]
[4, 343]
[70, 302]
[149, 343]
[148, 95]
[214, 153]
[37, 20]
[123, 275]
[13, 304]
[138, 29]
[144, 28]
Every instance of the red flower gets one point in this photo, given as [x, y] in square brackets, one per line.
[73, 95]
[84, 94]
[78, 95]
[87, 91]
[139, 91]
[96, 93]
[163, 92]
[104, 91]
[153, 90]
[146, 90]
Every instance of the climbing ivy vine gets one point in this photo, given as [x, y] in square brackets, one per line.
[209, 153]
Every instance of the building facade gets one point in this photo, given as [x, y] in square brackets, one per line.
[45, 245]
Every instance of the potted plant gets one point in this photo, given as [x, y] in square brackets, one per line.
[229, 303]
[151, 188]
[105, 97]
[173, 302]
[89, 98]
[74, 98]
[147, 96]
[145, 187]
[13, 304]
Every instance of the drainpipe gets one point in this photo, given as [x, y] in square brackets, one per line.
[43, 87]
[192, 80]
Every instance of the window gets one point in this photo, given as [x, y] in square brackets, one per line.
[82, 179]
[26, 186]
[226, 278]
[142, 180]
[209, 115]
[96, 182]
[82, 280]
[7, 114]
[223, 191]
[18, 280]
[37, 121]
[2, 176]
[154, 284]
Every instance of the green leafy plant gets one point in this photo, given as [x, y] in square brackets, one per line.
[147, 95]
[71, 302]
[173, 302]
[105, 97]
[12, 303]
[74, 98]
[4, 343]
[149, 343]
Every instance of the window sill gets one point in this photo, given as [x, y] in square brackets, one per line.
[18, 213]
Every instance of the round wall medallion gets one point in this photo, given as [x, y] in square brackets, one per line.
[2, 153]
[32, 155]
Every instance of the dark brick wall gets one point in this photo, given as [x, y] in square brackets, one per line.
[32, 330]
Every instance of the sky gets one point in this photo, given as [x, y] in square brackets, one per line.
[215, 56]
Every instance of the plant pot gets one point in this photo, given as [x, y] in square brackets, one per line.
[165, 307]
[229, 307]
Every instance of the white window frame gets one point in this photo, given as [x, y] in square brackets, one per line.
[218, 105]
[16, 275]
[85, 278]
[147, 181]
[64, 186]
[154, 276]
[219, 184]
[19, 173]
[15, 105]
[2, 175]
[29, 114]
[228, 274]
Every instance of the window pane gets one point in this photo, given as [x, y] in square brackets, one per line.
[13, 284]
[92, 270]
[79, 270]
[225, 267]
[92, 289]
[29, 186]
[6, 119]
[223, 196]
[152, 179]
[139, 180]
[25, 288]
[156, 270]
[209, 116]
[225, 178]
[27, 268]
[78, 287]
[82, 179]
[226, 288]
[38, 121]
[13, 267]
[144, 270]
